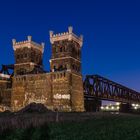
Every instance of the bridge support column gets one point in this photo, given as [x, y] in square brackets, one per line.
[92, 105]
[125, 107]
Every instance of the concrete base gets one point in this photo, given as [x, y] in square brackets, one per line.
[125, 107]
[92, 105]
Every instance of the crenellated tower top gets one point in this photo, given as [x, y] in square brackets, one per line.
[28, 43]
[66, 36]
[28, 56]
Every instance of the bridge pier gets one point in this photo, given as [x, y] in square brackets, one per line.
[92, 105]
[125, 107]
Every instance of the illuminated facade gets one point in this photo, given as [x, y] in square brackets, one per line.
[61, 88]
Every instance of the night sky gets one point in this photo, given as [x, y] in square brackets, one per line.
[111, 32]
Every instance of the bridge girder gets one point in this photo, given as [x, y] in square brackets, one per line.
[5, 69]
[102, 88]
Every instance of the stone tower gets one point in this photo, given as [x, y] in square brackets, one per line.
[30, 82]
[65, 65]
[28, 56]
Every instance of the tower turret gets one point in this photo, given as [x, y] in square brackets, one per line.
[66, 51]
[28, 56]
[65, 64]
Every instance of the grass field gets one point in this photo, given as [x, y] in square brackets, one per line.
[100, 128]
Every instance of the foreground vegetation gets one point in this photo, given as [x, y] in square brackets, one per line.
[114, 127]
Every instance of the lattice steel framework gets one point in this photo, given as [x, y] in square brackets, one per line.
[99, 87]
[5, 69]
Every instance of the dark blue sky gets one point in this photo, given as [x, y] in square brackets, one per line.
[111, 32]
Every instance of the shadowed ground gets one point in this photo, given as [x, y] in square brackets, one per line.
[102, 126]
[35, 122]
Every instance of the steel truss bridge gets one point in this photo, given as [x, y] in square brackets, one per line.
[97, 87]
[5, 69]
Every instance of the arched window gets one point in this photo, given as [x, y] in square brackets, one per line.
[54, 67]
[60, 49]
[65, 66]
[18, 56]
[73, 50]
[22, 71]
[21, 56]
[61, 67]
[73, 67]
[25, 55]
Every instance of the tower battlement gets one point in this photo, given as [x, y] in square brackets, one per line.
[28, 43]
[28, 56]
[66, 36]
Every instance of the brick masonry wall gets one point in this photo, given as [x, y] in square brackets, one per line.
[5, 93]
[77, 94]
[31, 88]
[61, 91]
[6, 97]
[70, 87]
